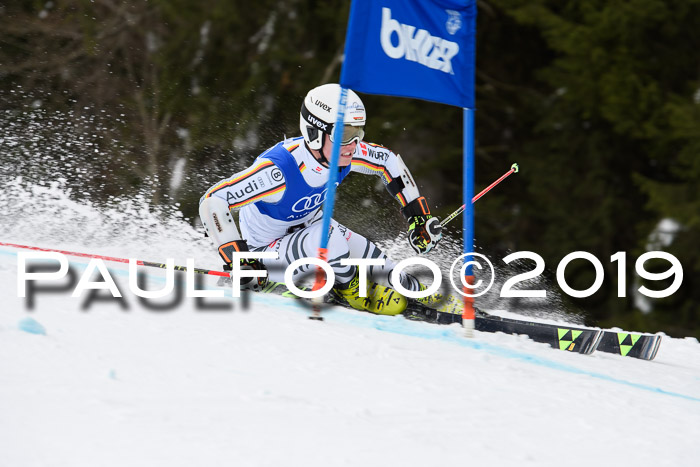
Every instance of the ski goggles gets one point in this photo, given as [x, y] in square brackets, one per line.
[350, 134]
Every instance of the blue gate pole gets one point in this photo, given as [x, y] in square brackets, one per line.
[329, 202]
[468, 217]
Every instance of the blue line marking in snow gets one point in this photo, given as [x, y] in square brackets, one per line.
[402, 326]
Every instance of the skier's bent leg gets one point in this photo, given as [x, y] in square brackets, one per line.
[379, 299]
[361, 247]
[304, 243]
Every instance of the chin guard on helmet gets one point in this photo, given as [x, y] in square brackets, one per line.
[313, 128]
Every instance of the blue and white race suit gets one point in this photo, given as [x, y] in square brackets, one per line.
[279, 199]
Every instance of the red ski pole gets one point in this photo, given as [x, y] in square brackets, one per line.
[116, 260]
[513, 169]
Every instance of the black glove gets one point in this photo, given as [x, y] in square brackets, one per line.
[424, 233]
[424, 230]
[250, 283]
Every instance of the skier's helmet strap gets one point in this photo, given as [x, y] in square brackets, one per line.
[319, 112]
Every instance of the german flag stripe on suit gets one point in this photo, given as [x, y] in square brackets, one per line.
[258, 197]
[242, 177]
[384, 173]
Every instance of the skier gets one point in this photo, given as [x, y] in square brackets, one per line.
[279, 199]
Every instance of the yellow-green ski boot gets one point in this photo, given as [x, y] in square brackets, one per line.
[380, 299]
[437, 301]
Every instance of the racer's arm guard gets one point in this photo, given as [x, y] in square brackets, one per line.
[221, 228]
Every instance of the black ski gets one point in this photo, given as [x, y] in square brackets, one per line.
[644, 346]
[571, 339]
[567, 338]
[635, 345]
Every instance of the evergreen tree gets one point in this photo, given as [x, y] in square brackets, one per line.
[621, 71]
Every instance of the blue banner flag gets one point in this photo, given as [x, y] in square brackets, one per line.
[423, 49]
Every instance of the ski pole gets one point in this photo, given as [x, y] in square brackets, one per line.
[117, 260]
[513, 169]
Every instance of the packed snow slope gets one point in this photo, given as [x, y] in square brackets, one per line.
[184, 386]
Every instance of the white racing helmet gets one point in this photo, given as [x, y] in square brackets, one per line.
[319, 112]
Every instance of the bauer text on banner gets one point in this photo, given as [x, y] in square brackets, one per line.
[422, 49]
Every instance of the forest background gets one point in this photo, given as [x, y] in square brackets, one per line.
[597, 100]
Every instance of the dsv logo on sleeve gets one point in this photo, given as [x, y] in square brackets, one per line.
[309, 202]
[418, 46]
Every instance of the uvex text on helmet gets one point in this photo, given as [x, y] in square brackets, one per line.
[319, 112]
